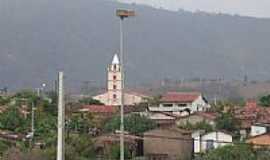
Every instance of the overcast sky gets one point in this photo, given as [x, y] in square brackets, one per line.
[255, 8]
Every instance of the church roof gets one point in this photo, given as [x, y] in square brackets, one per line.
[115, 59]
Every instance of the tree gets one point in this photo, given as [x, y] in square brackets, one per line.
[4, 146]
[80, 123]
[115, 152]
[13, 154]
[154, 101]
[265, 101]
[134, 124]
[80, 147]
[90, 101]
[28, 95]
[231, 152]
[203, 125]
[4, 100]
[226, 121]
[263, 154]
[12, 120]
[46, 127]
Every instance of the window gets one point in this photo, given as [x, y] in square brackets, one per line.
[114, 77]
[114, 87]
[167, 105]
[114, 67]
[209, 144]
[182, 105]
[114, 96]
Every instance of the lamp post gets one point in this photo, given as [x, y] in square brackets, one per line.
[122, 14]
[61, 118]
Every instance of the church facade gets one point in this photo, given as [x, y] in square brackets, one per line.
[113, 95]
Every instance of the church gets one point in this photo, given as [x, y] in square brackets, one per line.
[114, 85]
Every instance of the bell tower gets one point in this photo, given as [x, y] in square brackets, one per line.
[114, 82]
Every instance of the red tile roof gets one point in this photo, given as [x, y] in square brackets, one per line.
[183, 97]
[252, 113]
[98, 109]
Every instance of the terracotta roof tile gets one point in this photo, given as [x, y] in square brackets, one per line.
[180, 97]
[99, 109]
[252, 113]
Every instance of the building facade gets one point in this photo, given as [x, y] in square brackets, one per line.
[259, 129]
[199, 117]
[207, 141]
[182, 103]
[167, 144]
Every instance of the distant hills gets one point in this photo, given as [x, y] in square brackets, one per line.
[38, 38]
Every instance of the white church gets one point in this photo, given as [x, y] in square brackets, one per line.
[114, 83]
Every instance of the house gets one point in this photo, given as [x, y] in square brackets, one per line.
[167, 144]
[105, 143]
[162, 119]
[208, 141]
[262, 140]
[208, 117]
[113, 95]
[181, 103]
[251, 114]
[99, 115]
[259, 129]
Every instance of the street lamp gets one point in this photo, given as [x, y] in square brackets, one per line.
[122, 14]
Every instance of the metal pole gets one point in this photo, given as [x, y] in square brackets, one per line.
[32, 126]
[61, 117]
[33, 119]
[122, 144]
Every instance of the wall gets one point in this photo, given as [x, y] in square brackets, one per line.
[174, 149]
[257, 130]
[129, 99]
[219, 139]
[198, 105]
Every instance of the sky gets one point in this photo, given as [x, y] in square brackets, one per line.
[253, 8]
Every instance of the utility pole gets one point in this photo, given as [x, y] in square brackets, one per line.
[32, 133]
[33, 119]
[61, 118]
[122, 14]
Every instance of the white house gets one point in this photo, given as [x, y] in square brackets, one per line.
[181, 103]
[208, 141]
[114, 86]
[259, 129]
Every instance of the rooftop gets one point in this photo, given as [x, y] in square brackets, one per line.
[182, 97]
[98, 109]
[115, 59]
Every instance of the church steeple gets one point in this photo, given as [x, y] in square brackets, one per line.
[114, 82]
[115, 59]
[115, 65]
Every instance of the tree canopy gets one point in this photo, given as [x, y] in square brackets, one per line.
[265, 101]
[13, 120]
[198, 126]
[226, 121]
[134, 123]
[231, 152]
[90, 101]
[4, 100]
